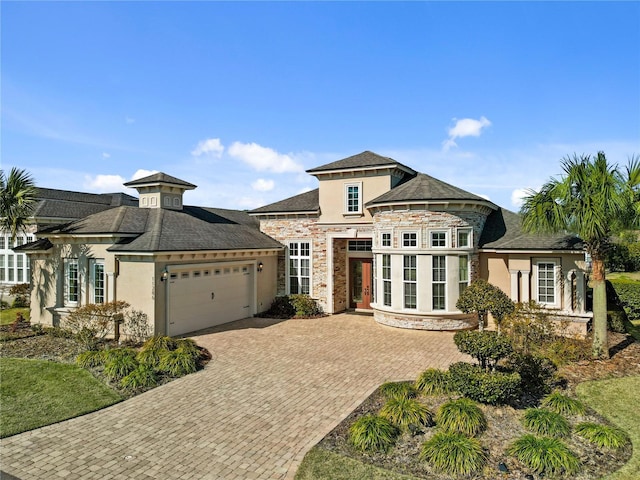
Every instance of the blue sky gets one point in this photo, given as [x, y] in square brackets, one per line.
[241, 98]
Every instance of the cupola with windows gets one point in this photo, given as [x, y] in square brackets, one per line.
[160, 191]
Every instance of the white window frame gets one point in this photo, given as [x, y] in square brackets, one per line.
[347, 203]
[386, 280]
[176, 201]
[382, 239]
[439, 231]
[93, 286]
[463, 283]
[556, 290]
[410, 285]
[469, 232]
[298, 259]
[410, 232]
[68, 263]
[438, 278]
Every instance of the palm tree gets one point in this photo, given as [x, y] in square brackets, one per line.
[17, 200]
[595, 201]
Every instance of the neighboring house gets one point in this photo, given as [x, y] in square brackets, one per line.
[375, 236]
[379, 236]
[186, 267]
[53, 207]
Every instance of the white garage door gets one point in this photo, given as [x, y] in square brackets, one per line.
[204, 297]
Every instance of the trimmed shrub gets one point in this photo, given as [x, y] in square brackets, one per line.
[545, 422]
[305, 306]
[142, 377]
[603, 436]
[21, 292]
[545, 455]
[177, 363]
[453, 453]
[119, 363]
[434, 382]
[563, 404]
[494, 388]
[461, 416]
[372, 433]
[281, 307]
[90, 359]
[395, 390]
[487, 347]
[537, 373]
[563, 350]
[405, 412]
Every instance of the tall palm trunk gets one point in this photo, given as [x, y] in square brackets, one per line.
[600, 347]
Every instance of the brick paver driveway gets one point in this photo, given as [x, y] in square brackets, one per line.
[271, 391]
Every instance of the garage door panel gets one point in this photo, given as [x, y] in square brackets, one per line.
[205, 301]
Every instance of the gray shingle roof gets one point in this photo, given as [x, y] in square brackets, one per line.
[503, 230]
[67, 205]
[163, 230]
[361, 160]
[160, 178]
[422, 187]
[35, 246]
[304, 202]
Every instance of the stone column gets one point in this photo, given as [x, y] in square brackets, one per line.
[526, 285]
[514, 285]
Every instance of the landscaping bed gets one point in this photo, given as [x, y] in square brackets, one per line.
[504, 426]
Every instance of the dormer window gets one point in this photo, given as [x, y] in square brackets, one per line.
[353, 198]
[176, 201]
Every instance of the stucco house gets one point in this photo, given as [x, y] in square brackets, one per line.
[379, 236]
[186, 267]
[375, 236]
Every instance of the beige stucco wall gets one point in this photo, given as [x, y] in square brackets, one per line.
[333, 197]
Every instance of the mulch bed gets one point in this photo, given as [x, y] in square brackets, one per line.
[504, 426]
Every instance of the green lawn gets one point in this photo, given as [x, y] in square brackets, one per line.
[624, 276]
[321, 464]
[34, 393]
[8, 315]
[615, 399]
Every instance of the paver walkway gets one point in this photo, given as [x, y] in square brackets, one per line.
[272, 391]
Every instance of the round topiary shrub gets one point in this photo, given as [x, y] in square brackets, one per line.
[545, 455]
[453, 453]
[372, 433]
[537, 373]
[434, 382]
[494, 388]
[461, 416]
[487, 347]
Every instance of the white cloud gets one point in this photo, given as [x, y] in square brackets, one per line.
[129, 120]
[264, 158]
[263, 185]
[248, 203]
[141, 173]
[465, 127]
[105, 155]
[103, 183]
[210, 146]
[517, 196]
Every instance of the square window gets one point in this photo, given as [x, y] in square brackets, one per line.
[410, 239]
[438, 239]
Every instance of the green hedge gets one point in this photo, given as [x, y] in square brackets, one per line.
[494, 388]
[629, 294]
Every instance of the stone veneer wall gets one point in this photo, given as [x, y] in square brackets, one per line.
[426, 322]
[425, 220]
[340, 266]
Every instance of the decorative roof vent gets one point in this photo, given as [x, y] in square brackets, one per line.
[160, 191]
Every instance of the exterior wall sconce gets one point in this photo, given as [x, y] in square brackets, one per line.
[260, 267]
[164, 275]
